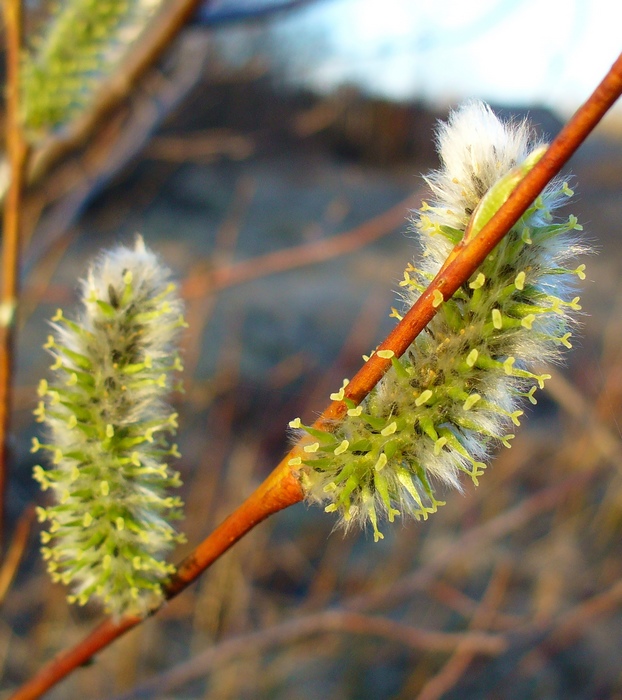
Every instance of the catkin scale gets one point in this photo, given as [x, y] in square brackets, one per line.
[455, 394]
[107, 433]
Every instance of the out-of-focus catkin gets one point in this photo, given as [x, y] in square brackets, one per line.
[107, 425]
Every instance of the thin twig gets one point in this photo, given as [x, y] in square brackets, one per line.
[474, 539]
[560, 633]
[563, 632]
[17, 152]
[282, 488]
[462, 657]
[291, 631]
[298, 256]
[574, 623]
[16, 550]
[480, 537]
[605, 441]
[457, 601]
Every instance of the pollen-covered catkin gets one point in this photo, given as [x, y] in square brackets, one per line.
[455, 394]
[107, 433]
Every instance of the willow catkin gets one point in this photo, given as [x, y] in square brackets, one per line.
[456, 393]
[107, 424]
[64, 66]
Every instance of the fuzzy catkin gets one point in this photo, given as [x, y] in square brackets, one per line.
[107, 432]
[82, 43]
[455, 394]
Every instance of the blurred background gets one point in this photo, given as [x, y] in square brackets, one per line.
[272, 157]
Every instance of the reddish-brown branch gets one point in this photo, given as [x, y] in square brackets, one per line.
[462, 657]
[289, 632]
[479, 537]
[281, 488]
[467, 258]
[17, 154]
[15, 551]
[298, 256]
[278, 491]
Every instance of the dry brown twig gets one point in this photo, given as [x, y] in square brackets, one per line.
[461, 658]
[329, 621]
[564, 631]
[297, 256]
[282, 489]
[463, 547]
[16, 550]
[295, 630]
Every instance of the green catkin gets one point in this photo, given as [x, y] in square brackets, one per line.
[107, 433]
[82, 44]
[455, 394]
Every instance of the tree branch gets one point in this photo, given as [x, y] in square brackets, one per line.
[282, 488]
[17, 152]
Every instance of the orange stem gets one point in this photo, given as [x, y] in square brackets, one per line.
[17, 152]
[279, 490]
[282, 488]
[466, 258]
[15, 551]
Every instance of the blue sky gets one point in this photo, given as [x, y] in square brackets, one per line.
[506, 51]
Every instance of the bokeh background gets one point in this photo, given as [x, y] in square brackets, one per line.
[272, 158]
